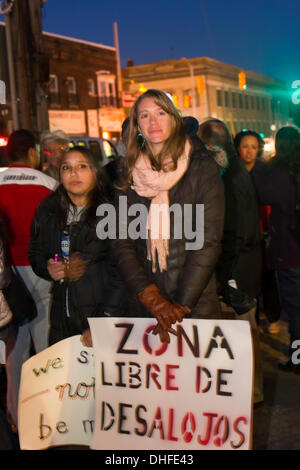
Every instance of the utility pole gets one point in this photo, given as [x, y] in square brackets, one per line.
[28, 66]
[119, 74]
[6, 9]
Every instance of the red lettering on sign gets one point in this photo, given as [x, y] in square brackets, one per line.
[241, 434]
[170, 377]
[148, 349]
[188, 427]
[206, 439]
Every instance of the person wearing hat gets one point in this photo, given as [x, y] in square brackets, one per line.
[53, 145]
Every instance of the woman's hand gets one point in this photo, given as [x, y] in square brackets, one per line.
[86, 338]
[56, 269]
[166, 313]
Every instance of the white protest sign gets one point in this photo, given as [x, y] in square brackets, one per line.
[195, 393]
[57, 397]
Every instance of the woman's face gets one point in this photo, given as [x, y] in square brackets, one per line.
[77, 176]
[154, 123]
[248, 149]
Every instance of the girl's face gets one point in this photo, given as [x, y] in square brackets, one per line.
[154, 123]
[77, 176]
[248, 149]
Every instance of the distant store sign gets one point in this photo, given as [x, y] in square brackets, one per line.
[111, 119]
[71, 122]
[296, 93]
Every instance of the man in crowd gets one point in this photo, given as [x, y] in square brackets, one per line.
[53, 146]
[22, 187]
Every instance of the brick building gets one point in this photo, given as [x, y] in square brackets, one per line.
[82, 88]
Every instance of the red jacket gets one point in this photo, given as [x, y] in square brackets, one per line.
[21, 190]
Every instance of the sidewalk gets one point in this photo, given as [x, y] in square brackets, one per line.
[276, 423]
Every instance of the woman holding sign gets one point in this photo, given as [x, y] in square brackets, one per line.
[64, 247]
[169, 268]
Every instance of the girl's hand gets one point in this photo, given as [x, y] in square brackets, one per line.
[56, 269]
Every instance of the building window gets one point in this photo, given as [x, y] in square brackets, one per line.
[91, 87]
[246, 102]
[219, 98]
[53, 84]
[72, 92]
[258, 103]
[233, 100]
[54, 97]
[71, 86]
[241, 101]
[226, 98]
[252, 102]
[106, 89]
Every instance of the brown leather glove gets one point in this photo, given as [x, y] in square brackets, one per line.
[164, 311]
[76, 267]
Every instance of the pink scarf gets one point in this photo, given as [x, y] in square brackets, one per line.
[155, 185]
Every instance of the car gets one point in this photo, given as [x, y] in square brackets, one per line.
[103, 148]
[3, 152]
[269, 148]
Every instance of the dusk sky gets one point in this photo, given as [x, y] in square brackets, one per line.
[260, 35]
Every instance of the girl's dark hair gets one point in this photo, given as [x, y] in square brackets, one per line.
[287, 146]
[98, 195]
[239, 137]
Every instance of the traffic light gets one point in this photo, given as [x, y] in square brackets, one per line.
[175, 99]
[242, 81]
[142, 89]
[186, 100]
[201, 85]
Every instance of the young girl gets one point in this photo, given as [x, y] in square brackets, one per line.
[64, 247]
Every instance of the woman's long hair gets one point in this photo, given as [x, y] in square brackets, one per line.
[97, 195]
[287, 146]
[174, 145]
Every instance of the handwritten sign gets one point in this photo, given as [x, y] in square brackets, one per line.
[57, 397]
[195, 393]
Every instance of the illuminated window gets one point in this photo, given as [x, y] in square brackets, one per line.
[106, 88]
[91, 87]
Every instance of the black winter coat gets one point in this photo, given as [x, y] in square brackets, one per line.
[99, 290]
[189, 278]
[241, 247]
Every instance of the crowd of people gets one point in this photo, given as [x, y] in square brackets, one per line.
[248, 261]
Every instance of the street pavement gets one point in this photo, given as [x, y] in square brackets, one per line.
[276, 422]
